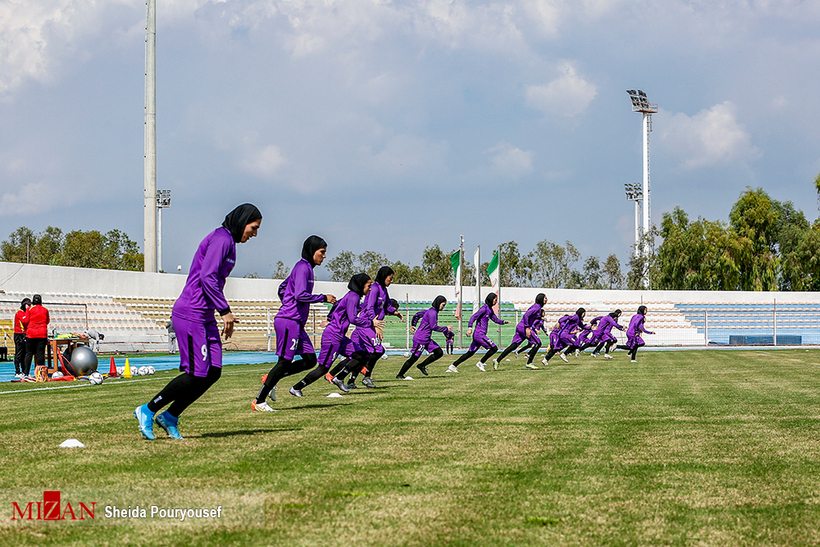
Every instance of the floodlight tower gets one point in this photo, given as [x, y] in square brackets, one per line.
[635, 193]
[163, 202]
[149, 247]
[641, 104]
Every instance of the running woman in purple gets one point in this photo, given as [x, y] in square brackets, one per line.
[423, 339]
[345, 312]
[603, 338]
[633, 334]
[581, 339]
[525, 330]
[539, 326]
[296, 293]
[200, 347]
[562, 335]
[377, 304]
[481, 319]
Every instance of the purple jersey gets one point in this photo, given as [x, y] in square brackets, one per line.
[377, 303]
[530, 317]
[296, 293]
[214, 259]
[345, 312]
[428, 324]
[636, 326]
[605, 326]
[417, 317]
[482, 318]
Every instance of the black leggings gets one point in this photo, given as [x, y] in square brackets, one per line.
[369, 361]
[285, 368]
[436, 355]
[36, 348]
[511, 348]
[469, 354]
[633, 352]
[19, 352]
[533, 349]
[184, 390]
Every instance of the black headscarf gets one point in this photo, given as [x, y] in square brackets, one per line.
[310, 246]
[37, 300]
[384, 271]
[580, 312]
[24, 302]
[616, 314]
[357, 283]
[236, 220]
[490, 298]
[642, 310]
[541, 299]
[438, 301]
[394, 303]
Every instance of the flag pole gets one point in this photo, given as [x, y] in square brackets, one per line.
[498, 250]
[460, 281]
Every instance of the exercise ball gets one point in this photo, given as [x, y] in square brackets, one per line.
[82, 362]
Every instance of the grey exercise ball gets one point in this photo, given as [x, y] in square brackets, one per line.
[83, 361]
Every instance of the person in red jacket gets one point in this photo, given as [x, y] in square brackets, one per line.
[36, 323]
[20, 337]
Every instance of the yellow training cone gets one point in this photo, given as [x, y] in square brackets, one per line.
[127, 372]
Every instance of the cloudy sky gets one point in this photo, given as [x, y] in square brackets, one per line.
[389, 126]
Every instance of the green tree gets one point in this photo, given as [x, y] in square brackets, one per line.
[370, 262]
[612, 276]
[280, 271]
[49, 247]
[592, 277]
[83, 249]
[436, 266]
[119, 252]
[407, 275]
[552, 265]
[516, 269]
[643, 266]
[754, 218]
[342, 266]
[17, 248]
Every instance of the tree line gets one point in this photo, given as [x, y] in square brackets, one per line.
[113, 250]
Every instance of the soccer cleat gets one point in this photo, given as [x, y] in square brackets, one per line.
[607, 356]
[146, 421]
[577, 352]
[352, 385]
[633, 361]
[261, 407]
[515, 353]
[329, 377]
[563, 357]
[594, 354]
[495, 364]
[169, 424]
[341, 385]
[368, 382]
[544, 361]
[272, 394]
[480, 366]
[295, 392]
[422, 368]
[452, 368]
[532, 366]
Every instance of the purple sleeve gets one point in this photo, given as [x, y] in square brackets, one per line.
[209, 278]
[417, 318]
[532, 315]
[495, 318]
[433, 322]
[388, 308]
[642, 328]
[300, 288]
[475, 317]
[353, 315]
[368, 309]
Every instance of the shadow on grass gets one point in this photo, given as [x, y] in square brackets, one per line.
[222, 434]
[314, 406]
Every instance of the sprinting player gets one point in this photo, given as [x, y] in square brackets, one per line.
[20, 322]
[481, 319]
[345, 312]
[423, 339]
[603, 336]
[633, 334]
[525, 330]
[200, 346]
[582, 337]
[377, 304]
[296, 293]
[562, 335]
[539, 326]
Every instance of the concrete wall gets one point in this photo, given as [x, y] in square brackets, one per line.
[33, 278]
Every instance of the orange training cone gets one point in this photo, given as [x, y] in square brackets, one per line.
[112, 373]
[127, 372]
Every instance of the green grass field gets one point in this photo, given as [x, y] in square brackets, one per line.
[681, 448]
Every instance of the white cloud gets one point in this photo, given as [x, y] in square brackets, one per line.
[265, 162]
[708, 138]
[568, 95]
[405, 155]
[28, 200]
[510, 161]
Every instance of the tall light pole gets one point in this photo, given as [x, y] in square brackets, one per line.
[149, 247]
[163, 201]
[635, 193]
[641, 104]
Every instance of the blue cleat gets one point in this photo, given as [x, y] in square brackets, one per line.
[169, 424]
[146, 421]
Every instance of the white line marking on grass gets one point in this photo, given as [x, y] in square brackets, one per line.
[117, 382]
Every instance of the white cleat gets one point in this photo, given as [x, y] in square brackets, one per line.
[480, 366]
[544, 361]
[607, 356]
[452, 368]
[261, 407]
[563, 357]
[577, 352]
